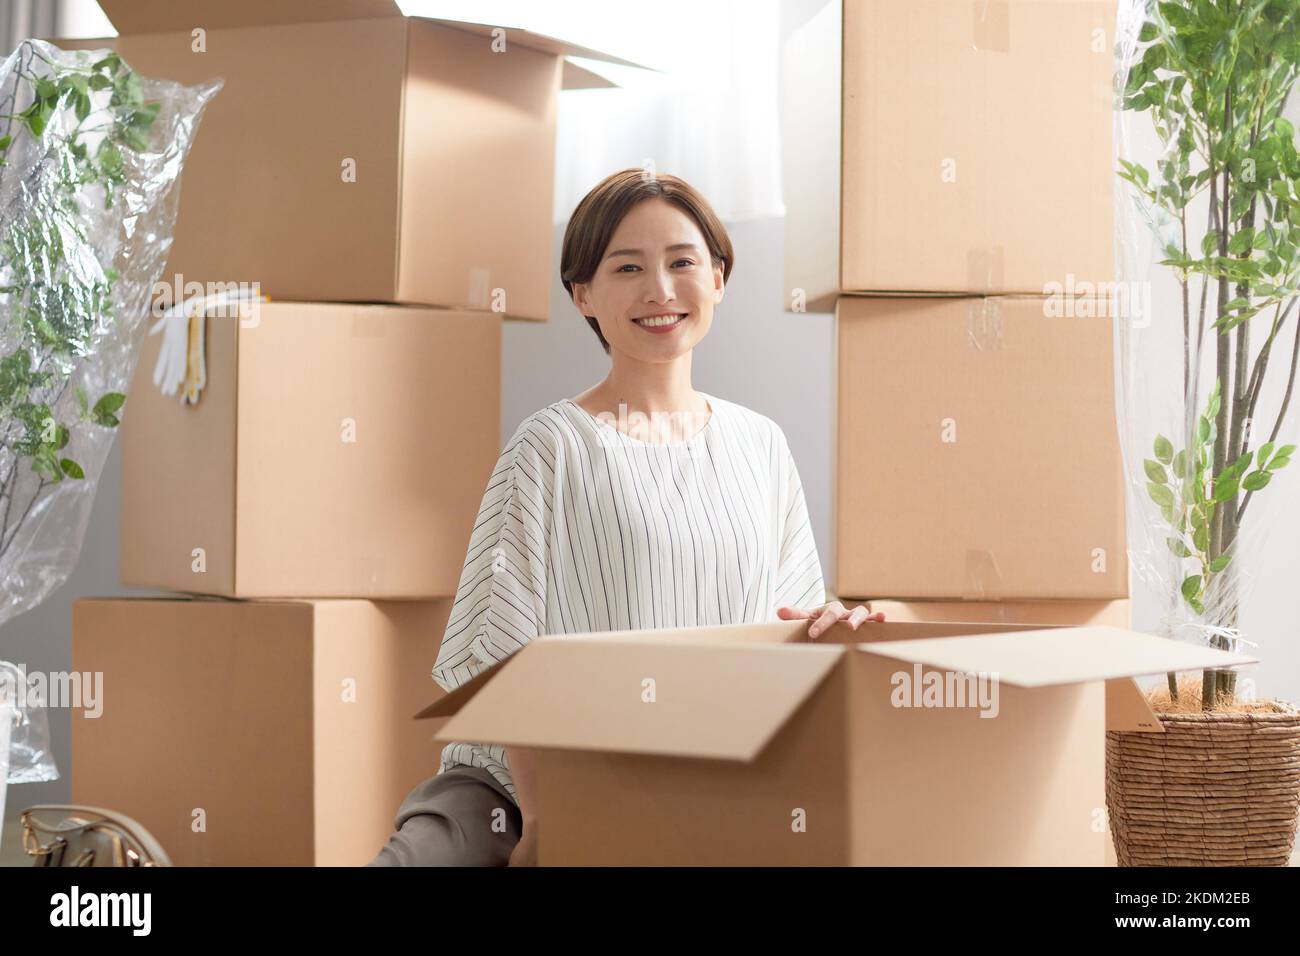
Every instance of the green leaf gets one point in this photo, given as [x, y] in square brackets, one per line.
[1179, 466]
[1279, 461]
[1148, 32]
[1191, 586]
[1265, 450]
[1177, 546]
[71, 468]
[1225, 487]
[1160, 494]
[1201, 538]
[1155, 471]
[1164, 449]
[61, 436]
[1203, 430]
[109, 402]
[1219, 563]
[82, 400]
[132, 138]
[1256, 480]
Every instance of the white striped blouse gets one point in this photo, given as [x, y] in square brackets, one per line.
[583, 528]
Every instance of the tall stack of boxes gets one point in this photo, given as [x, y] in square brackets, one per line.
[948, 177]
[948, 193]
[387, 182]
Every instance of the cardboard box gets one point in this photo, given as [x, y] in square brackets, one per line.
[1119, 694]
[355, 154]
[946, 147]
[335, 451]
[977, 452]
[1074, 613]
[256, 733]
[747, 745]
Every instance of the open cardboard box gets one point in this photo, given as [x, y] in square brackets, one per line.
[750, 745]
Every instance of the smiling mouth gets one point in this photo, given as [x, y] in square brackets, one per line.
[660, 321]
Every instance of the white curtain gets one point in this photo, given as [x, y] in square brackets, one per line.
[23, 19]
[709, 116]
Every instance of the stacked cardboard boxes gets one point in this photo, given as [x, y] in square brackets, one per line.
[956, 217]
[949, 198]
[387, 182]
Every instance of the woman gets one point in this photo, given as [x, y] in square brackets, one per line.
[641, 503]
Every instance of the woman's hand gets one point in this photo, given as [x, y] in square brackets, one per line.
[828, 614]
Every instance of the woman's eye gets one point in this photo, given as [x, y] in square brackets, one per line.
[629, 265]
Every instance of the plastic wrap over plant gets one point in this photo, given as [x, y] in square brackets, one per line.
[90, 163]
[1208, 247]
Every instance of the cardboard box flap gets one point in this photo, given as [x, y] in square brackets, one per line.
[164, 16]
[1066, 655]
[771, 632]
[451, 701]
[718, 700]
[1127, 708]
[537, 41]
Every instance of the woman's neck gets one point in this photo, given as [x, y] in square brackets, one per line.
[645, 387]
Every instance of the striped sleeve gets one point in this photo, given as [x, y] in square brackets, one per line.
[799, 573]
[501, 600]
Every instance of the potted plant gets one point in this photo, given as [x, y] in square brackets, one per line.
[1213, 225]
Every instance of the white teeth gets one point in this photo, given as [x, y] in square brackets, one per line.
[659, 320]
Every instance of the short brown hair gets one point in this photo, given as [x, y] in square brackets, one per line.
[593, 223]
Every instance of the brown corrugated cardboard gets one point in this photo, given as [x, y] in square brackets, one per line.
[947, 147]
[748, 745]
[336, 451]
[256, 733]
[1074, 613]
[977, 454]
[358, 155]
[1126, 705]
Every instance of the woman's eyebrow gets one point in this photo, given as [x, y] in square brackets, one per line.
[636, 252]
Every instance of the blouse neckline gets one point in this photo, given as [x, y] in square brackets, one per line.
[713, 416]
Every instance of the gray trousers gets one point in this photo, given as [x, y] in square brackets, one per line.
[461, 817]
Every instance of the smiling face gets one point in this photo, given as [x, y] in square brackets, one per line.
[654, 290]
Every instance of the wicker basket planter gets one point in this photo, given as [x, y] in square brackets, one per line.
[1215, 789]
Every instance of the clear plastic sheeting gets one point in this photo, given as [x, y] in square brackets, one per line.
[1208, 221]
[90, 163]
[30, 759]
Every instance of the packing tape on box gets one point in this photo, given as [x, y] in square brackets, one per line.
[983, 581]
[984, 323]
[985, 269]
[479, 294]
[369, 324]
[991, 28]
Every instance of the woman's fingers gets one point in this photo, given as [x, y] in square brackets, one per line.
[791, 613]
[831, 613]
